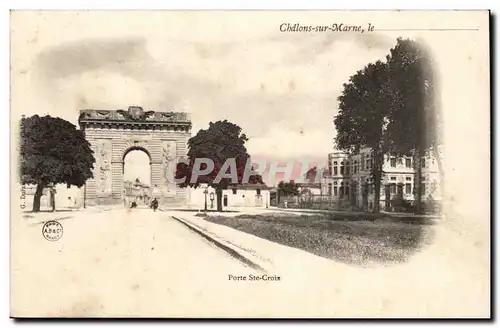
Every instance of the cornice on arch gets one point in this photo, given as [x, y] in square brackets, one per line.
[134, 119]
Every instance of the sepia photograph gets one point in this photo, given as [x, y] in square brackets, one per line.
[250, 164]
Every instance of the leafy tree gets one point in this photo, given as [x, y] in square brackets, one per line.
[361, 121]
[414, 120]
[223, 143]
[53, 151]
[288, 188]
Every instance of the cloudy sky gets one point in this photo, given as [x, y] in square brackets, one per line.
[281, 88]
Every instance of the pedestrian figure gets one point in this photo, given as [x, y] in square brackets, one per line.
[154, 204]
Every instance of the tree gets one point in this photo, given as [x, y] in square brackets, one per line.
[361, 121]
[222, 144]
[414, 120]
[288, 188]
[53, 151]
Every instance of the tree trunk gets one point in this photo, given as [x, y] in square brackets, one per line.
[377, 178]
[219, 199]
[417, 181]
[387, 195]
[36, 199]
[364, 188]
[52, 200]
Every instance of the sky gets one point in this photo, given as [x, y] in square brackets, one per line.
[137, 167]
[281, 88]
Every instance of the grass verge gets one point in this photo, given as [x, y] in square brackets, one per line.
[349, 239]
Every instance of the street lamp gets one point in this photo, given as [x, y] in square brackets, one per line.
[212, 197]
[205, 192]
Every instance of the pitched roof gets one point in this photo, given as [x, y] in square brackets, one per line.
[250, 186]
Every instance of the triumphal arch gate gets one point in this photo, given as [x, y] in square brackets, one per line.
[112, 134]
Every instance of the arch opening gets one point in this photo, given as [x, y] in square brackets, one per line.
[137, 176]
[135, 148]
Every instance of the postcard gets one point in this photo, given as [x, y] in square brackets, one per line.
[250, 164]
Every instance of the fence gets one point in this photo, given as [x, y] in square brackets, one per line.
[315, 202]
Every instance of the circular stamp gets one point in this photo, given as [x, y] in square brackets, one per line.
[52, 230]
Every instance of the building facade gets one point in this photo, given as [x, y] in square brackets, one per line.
[136, 191]
[244, 195]
[63, 197]
[349, 177]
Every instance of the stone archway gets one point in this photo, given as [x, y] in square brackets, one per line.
[112, 134]
[131, 148]
[137, 185]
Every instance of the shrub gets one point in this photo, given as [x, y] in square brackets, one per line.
[399, 204]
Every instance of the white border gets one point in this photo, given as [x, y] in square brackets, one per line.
[191, 5]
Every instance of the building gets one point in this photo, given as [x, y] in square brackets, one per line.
[243, 195]
[348, 175]
[137, 191]
[112, 134]
[64, 197]
[314, 182]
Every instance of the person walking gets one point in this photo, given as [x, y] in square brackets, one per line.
[154, 204]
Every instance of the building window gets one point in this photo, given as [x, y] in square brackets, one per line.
[393, 161]
[347, 169]
[234, 191]
[393, 178]
[258, 192]
[342, 169]
[335, 191]
[408, 178]
[335, 169]
[408, 163]
[355, 167]
[422, 188]
[408, 188]
[347, 190]
[341, 189]
[362, 162]
[330, 167]
[423, 162]
[393, 188]
[330, 189]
